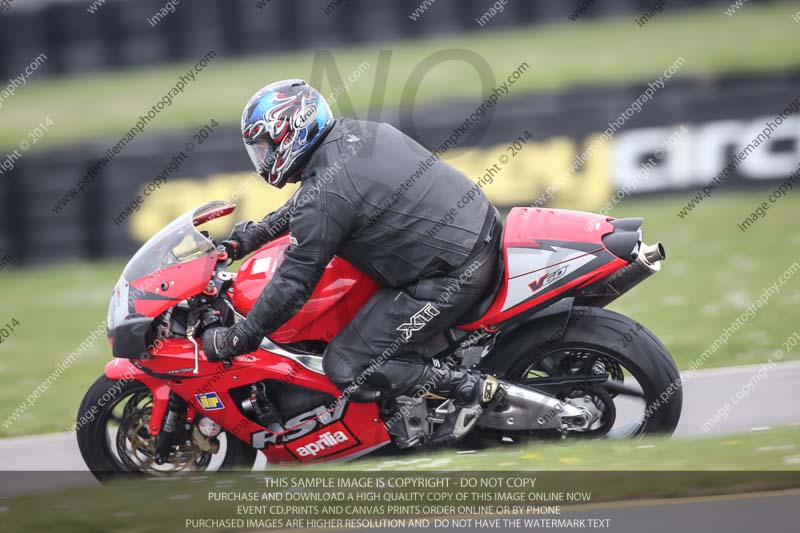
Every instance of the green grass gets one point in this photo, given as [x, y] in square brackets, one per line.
[56, 309]
[712, 273]
[716, 466]
[761, 38]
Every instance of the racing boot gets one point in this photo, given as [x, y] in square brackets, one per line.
[469, 394]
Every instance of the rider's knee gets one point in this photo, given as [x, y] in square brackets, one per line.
[338, 369]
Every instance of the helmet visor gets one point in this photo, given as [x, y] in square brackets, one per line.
[262, 154]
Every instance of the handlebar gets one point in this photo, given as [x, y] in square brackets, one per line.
[230, 247]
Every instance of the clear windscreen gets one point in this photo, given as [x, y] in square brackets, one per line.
[178, 242]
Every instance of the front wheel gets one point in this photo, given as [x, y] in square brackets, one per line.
[114, 437]
[612, 362]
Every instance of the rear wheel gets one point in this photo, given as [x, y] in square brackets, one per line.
[613, 363]
[115, 438]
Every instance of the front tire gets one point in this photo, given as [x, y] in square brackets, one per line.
[101, 443]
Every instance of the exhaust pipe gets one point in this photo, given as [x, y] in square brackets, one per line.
[525, 409]
[646, 263]
[653, 253]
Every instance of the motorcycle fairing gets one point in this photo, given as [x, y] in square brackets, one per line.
[152, 300]
[547, 252]
[174, 264]
[319, 436]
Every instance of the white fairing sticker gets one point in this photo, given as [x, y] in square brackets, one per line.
[261, 265]
[531, 270]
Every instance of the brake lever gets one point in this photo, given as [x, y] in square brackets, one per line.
[190, 336]
[190, 330]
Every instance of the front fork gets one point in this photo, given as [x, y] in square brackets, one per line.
[170, 428]
[167, 405]
[123, 369]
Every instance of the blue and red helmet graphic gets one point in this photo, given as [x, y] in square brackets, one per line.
[281, 125]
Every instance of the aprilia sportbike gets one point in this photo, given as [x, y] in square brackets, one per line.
[569, 367]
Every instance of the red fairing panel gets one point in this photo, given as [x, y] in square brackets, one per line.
[340, 293]
[525, 224]
[328, 433]
[350, 428]
[182, 281]
[547, 252]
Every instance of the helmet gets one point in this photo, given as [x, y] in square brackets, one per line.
[281, 125]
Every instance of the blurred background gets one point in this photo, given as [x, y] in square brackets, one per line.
[626, 107]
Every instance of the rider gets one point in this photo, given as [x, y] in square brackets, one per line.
[373, 196]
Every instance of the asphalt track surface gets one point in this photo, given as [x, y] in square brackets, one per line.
[772, 402]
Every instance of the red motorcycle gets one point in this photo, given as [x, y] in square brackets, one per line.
[569, 366]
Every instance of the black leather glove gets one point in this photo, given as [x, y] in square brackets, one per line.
[244, 239]
[215, 345]
[221, 343]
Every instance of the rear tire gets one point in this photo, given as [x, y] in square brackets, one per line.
[96, 447]
[642, 354]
